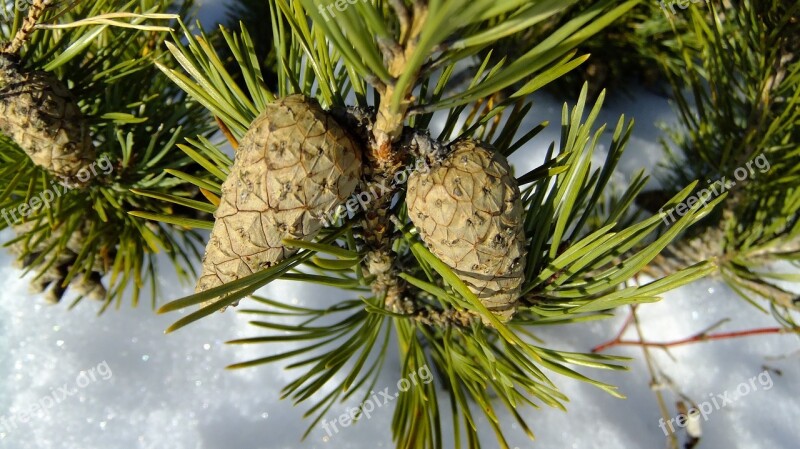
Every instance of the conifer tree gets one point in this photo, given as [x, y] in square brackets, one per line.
[338, 177]
[460, 277]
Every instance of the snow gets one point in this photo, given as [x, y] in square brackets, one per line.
[171, 391]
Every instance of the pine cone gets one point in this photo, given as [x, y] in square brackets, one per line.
[54, 266]
[40, 114]
[294, 166]
[469, 212]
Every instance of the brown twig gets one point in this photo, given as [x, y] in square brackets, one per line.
[34, 14]
[702, 336]
[618, 336]
[656, 375]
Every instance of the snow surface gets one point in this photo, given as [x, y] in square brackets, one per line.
[170, 391]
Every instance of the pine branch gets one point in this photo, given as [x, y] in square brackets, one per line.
[132, 118]
[578, 260]
[35, 12]
[739, 121]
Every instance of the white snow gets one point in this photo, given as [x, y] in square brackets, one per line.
[170, 391]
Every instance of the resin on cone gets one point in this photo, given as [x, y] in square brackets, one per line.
[294, 166]
[42, 117]
[468, 212]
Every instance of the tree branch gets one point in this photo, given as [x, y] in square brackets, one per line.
[34, 14]
[699, 337]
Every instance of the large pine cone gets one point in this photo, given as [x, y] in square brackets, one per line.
[468, 211]
[294, 165]
[40, 114]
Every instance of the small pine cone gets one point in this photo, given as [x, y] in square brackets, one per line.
[54, 266]
[293, 167]
[40, 114]
[468, 211]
